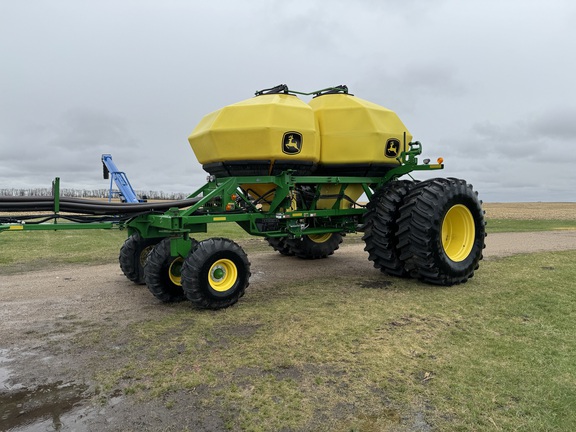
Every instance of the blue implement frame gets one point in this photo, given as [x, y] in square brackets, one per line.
[121, 180]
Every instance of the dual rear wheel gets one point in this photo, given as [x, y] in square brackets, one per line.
[432, 230]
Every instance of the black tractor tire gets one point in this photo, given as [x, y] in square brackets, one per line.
[314, 246]
[133, 254]
[162, 273]
[381, 225]
[279, 245]
[215, 274]
[442, 231]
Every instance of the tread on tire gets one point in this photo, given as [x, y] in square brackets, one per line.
[215, 274]
[315, 246]
[381, 225]
[161, 275]
[133, 254]
[422, 236]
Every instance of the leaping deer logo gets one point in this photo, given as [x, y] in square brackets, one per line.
[292, 143]
[392, 148]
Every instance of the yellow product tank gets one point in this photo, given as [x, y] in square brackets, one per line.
[358, 138]
[264, 135]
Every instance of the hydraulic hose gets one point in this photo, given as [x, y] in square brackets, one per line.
[84, 206]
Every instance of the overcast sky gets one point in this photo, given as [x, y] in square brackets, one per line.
[487, 84]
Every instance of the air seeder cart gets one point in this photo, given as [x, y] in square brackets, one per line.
[293, 173]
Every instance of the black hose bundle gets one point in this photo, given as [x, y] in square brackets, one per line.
[84, 206]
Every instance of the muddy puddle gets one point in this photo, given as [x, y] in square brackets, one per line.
[50, 407]
[57, 406]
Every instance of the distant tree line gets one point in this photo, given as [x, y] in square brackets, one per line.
[89, 193]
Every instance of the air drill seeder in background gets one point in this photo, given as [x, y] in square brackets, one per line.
[291, 172]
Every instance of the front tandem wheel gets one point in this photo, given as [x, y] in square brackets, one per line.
[162, 273]
[215, 274]
[133, 254]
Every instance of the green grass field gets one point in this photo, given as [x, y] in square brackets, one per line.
[511, 225]
[349, 353]
[346, 354]
[22, 251]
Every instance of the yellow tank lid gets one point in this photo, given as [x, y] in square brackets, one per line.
[357, 136]
[268, 127]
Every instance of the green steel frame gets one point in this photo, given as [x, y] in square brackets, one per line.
[224, 200]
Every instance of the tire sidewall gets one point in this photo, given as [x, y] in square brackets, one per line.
[196, 273]
[157, 276]
[131, 254]
[469, 264]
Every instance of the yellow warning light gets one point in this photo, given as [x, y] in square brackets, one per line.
[440, 160]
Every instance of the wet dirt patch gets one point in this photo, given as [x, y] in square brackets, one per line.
[30, 407]
[5, 371]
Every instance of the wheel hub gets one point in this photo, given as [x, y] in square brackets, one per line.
[175, 271]
[222, 275]
[458, 232]
[218, 274]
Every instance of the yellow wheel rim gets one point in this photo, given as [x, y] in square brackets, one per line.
[175, 271]
[320, 238]
[223, 275]
[144, 254]
[458, 232]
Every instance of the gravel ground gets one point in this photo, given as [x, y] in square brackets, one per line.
[44, 377]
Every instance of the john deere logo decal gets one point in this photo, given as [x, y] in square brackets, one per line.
[292, 143]
[392, 148]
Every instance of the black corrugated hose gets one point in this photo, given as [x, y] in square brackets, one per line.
[86, 211]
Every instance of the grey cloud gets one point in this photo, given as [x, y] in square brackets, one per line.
[540, 138]
[559, 123]
[85, 128]
[439, 80]
[483, 84]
